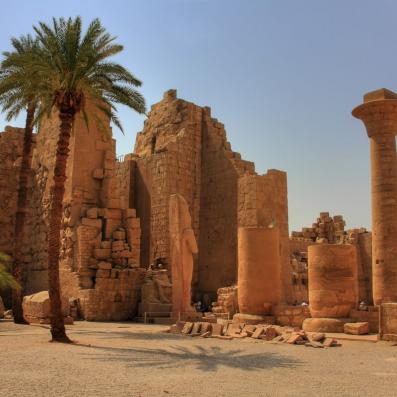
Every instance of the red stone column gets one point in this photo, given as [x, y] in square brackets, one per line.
[379, 114]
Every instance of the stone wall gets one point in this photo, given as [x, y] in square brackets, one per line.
[262, 201]
[183, 150]
[11, 141]
[100, 238]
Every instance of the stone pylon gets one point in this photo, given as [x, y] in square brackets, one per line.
[379, 114]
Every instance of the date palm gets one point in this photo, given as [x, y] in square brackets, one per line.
[74, 67]
[18, 92]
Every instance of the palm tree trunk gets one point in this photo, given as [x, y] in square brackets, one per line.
[57, 322]
[24, 173]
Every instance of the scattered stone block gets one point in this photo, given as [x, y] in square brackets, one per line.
[356, 328]
[258, 332]
[317, 337]
[187, 328]
[329, 342]
[217, 329]
[36, 308]
[294, 338]
[196, 328]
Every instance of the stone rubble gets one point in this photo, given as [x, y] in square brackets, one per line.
[263, 332]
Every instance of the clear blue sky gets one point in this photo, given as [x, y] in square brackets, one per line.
[283, 76]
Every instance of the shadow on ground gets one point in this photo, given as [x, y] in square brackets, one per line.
[202, 358]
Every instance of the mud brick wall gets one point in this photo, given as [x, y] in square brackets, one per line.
[263, 202]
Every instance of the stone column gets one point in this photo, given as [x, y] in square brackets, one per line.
[379, 114]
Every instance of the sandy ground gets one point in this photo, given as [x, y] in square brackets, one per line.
[136, 360]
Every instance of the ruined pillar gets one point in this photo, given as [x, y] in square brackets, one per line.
[333, 280]
[259, 282]
[379, 114]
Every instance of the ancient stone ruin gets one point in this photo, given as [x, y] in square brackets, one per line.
[184, 228]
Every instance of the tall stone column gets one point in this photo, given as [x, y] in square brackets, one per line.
[379, 114]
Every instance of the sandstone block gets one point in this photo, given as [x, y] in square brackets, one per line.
[323, 325]
[101, 273]
[98, 173]
[110, 213]
[92, 222]
[92, 213]
[117, 245]
[36, 307]
[113, 203]
[130, 213]
[125, 254]
[102, 253]
[104, 265]
[217, 329]
[356, 328]
[196, 328]
[133, 223]
[187, 328]
[119, 235]
[258, 332]
[106, 244]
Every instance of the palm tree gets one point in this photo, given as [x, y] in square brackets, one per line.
[6, 279]
[72, 69]
[18, 92]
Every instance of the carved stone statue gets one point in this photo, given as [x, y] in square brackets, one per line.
[182, 246]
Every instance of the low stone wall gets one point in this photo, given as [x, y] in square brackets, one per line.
[291, 315]
[115, 295]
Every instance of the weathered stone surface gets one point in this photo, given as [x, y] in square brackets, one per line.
[258, 270]
[333, 281]
[323, 325]
[356, 328]
[36, 307]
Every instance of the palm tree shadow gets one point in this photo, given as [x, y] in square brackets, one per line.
[202, 358]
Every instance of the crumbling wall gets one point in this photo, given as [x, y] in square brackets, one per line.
[221, 168]
[169, 156]
[183, 150]
[262, 201]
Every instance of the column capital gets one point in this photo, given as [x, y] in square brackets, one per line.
[378, 112]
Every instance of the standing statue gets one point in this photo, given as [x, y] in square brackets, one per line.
[182, 246]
